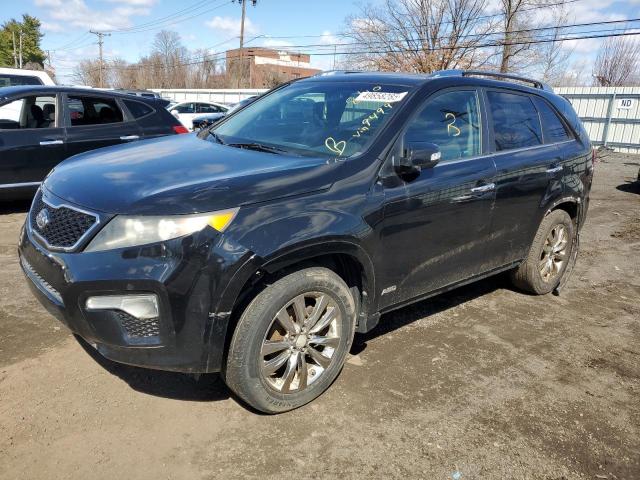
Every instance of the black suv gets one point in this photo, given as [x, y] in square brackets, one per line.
[259, 247]
[41, 125]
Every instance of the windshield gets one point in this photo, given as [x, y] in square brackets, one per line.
[338, 119]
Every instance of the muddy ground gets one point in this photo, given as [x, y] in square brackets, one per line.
[481, 383]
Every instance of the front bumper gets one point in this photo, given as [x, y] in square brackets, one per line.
[189, 276]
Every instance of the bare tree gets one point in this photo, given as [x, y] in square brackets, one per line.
[617, 63]
[87, 72]
[417, 35]
[167, 48]
[553, 57]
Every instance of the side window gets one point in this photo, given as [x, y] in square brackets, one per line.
[515, 121]
[554, 129]
[92, 110]
[451, 121]
[207, 108]
[185, 108]
[138, 109]
[34, 111]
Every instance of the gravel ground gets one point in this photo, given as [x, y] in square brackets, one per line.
[480, 383]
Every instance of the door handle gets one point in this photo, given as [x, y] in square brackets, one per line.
[554, 169]
[130, 137]
[51, 142]
[484, 188]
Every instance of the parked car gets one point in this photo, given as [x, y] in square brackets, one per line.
[187, 111]
[11, 77]
[259, 247]
[42, 125]
[208, 119]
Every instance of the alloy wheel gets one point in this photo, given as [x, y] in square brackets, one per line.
[301, 342]
[554, 253]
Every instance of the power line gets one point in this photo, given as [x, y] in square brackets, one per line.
[415, 50]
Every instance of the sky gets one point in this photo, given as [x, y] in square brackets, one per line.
[214, 24]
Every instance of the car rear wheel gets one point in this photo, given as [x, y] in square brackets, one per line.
[549, 255]
[291, 341]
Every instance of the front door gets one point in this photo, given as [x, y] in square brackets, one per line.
[32, 141]
[436, 224]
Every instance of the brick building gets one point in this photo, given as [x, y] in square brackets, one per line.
[265, 67]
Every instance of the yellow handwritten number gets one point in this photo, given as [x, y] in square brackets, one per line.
[451, 125]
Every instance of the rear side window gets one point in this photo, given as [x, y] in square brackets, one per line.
[92, 110]
[554, 129]
[515, 121]
[185, 108]
[138, 109]
[208, 108]
[451, 121]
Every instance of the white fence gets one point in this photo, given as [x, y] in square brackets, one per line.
[611, 115]
[227, 96]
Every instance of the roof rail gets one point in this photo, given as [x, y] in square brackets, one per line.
[499, 75]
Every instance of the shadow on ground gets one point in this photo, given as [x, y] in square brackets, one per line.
[436, 304]
[178, 386]
[629, 187]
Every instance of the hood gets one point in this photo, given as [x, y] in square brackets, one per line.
[183, 174]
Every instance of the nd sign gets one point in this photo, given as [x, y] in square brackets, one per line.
[625, 103]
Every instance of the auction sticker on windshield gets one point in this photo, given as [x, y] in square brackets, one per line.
[386, 97]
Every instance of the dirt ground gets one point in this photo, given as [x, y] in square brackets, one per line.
[481, 383]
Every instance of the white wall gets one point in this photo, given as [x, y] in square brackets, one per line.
[227, 96]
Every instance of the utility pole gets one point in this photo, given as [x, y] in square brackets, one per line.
[20, 34]
[15, 52]
[101, 36]
[243, 4]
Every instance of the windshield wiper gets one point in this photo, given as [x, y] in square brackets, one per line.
[259, 147]
[216, 137]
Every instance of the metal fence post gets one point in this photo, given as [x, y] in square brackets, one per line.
[605, 133]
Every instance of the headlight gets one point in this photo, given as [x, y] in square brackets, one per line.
[126, 231]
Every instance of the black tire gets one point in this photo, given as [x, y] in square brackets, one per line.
[528, 276]
[243, 368]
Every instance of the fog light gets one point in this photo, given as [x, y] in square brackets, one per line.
[142, 306]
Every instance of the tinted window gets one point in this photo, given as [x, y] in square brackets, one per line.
[451, 121]
[515, 121]
[554, 129]
[138, 109]
[185, 108]
[92, 110]
[208, 108]
[12, 80]
[34, 111]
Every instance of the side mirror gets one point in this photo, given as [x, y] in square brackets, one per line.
[421, 155]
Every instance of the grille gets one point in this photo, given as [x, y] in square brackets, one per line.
[138, 328]
[40, 282]
[65, 227]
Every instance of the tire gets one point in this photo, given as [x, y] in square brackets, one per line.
[538, 274]
[263, 326]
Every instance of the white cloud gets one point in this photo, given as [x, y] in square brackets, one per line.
[52, 27]
[275, 43]
[231, 26]
[76, 13]
[328, 38]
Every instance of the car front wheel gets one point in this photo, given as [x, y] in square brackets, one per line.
[291, 341]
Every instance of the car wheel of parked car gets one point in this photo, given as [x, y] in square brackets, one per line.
[549, 255]
[291, 341]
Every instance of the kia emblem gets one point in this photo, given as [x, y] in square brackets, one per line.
[42, 219]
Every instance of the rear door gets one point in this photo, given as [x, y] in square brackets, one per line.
[32, 141]
[528, 171]
[437, 224]
[95, 121]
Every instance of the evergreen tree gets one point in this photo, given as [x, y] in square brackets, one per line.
[31, 36]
